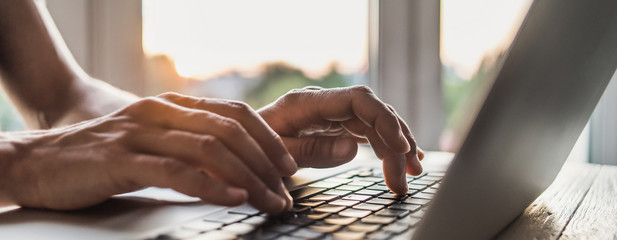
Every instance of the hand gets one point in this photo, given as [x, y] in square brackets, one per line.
[322, 128]
[220, 151]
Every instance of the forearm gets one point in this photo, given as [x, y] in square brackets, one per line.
[40, 74]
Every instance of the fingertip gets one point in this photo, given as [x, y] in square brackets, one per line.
[420, 153]
[413, 166]
[290, 167]
[236, 196]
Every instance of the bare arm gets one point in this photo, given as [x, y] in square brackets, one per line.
[40, 74]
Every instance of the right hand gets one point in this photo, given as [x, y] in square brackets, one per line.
[220, 151]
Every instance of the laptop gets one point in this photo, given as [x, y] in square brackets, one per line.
[554, 73]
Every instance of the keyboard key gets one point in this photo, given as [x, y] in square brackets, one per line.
[431, 178]
[369, 192]
[310, 203]
[281, 228]
[179, 234]
[305, 192]
[360, 183]
[363, 227]
[378, 219]
[348, 235]
[423, 195]
[357, 197]
[391, 195]
[381, 201]
[405, 206]
[422, 182]
[347, 203]
[392, 213]
[219, 235]
[324, 227]
[369, 179]
[416, 187]
[409, 220]
[317, 216]
[201, 225]
[338, 180]
[436, 185]
[329, 208]
[396, 228]
[336, 192]
[419, 201]
[306, 233]
[355, 213]
[324, 184]
[246, 210]
[368, 206]
[322, 197]
[255, 220]
[378, 188]
[349, 188]
[418, 214]
[379, 235]
[436, 174]
[224, 217]
[285, 237]
[238, 228]
[258, 234]
[339, 220]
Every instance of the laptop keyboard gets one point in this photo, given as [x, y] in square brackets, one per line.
[356, 204]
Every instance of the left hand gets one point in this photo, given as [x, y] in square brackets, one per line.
[322, 128]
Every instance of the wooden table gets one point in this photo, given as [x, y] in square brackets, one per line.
[580, 204]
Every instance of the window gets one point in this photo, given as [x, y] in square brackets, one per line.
[474, 36]
[253, 51]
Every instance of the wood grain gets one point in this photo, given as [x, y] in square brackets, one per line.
[596, 217]
[549, 214]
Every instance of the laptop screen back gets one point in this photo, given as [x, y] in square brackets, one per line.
[548, 85]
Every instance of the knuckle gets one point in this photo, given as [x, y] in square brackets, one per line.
[230, 126]
[207, 142]
[361, 89]
[143, 105]
[171, 168]
[169, 95]
[240, 107]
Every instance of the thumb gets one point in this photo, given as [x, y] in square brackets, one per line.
[321, 151]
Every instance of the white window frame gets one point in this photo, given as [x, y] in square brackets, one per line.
[409, 68]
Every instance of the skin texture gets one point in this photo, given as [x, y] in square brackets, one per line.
[322, 128]
[97, 141]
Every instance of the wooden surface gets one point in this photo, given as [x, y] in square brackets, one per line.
[580, 204]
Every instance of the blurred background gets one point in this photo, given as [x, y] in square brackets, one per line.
[432, 60]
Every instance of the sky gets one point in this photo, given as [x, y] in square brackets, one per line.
[206, 38]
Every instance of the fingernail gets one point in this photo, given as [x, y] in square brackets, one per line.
[288, 199]
[289, 165]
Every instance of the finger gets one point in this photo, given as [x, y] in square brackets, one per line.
[413, 160]
[225, 130]
[321, 151]
[340, 104]
[269, 141]
[394, 164]
[169, 173]
[212, 156]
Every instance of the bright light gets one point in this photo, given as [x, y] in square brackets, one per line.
[208, 38]
[472, 28]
